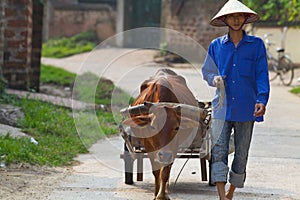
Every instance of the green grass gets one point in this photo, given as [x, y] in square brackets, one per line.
[63, 47]
[54, 75]
[54, 127]
[296, 90]
[92, 89]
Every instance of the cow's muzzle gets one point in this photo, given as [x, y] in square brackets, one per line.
[165, 157]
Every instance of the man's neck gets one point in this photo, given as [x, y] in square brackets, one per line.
[236, 36]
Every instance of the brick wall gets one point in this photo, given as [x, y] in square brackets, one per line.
[1, 37]
[69, 18]
[37, 39]
[21, 43]
[192, 18]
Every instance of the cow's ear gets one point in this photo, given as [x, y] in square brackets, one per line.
[188, 123]
[137, 121]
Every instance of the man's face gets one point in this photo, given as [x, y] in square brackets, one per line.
[235, 20]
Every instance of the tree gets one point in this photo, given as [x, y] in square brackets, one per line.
[279, 11]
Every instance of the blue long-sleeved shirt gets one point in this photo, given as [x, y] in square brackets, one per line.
[245, 73]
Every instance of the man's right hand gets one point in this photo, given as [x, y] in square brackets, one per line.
[218, 81]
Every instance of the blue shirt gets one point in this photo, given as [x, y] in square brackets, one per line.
[245, 73]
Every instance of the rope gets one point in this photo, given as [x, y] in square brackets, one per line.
[180, 172]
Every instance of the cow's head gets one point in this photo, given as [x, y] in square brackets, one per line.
[162, 127]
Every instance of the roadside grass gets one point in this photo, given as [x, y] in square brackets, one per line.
[53, 128]
[57, 76]
[63, 47]
[56, 128]
[92, 89]
[296, 91]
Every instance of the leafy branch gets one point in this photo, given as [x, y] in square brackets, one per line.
[281, 11]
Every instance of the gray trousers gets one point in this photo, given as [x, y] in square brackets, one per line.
[221, 131]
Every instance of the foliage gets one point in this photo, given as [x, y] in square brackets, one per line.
[281, 11]
[3, 83]
[63, 47]
[54, 75]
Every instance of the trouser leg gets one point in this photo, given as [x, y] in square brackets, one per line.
[242, 139]
[221, 131]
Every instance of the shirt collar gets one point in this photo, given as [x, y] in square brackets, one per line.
[246, 38]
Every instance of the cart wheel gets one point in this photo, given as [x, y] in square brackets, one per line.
[128, 161]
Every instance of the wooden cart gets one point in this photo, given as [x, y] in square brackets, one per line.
[134, 150]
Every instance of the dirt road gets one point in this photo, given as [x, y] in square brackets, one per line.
[274, 162]
[273, 169]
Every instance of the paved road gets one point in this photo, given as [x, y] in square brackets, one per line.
[274, 162]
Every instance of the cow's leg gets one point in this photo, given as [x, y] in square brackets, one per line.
[164, 179]
[156, 173]
[157, 182]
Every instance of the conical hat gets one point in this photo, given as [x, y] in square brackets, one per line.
[234, 6]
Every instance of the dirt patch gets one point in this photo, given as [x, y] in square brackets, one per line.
[30, 182]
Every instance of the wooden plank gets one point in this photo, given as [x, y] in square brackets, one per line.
[203, 169]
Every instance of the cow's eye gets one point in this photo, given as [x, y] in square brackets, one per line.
[177, 128]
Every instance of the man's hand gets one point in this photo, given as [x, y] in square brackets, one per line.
[218, 81]
[260, 110]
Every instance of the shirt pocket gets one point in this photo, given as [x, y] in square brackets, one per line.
[247, 69]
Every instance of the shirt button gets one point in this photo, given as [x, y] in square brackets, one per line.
[233, 98]
[233, 81]
[234, 65]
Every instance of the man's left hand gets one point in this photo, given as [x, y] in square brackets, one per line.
[260, 110]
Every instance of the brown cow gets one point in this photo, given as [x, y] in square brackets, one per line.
[163, 127]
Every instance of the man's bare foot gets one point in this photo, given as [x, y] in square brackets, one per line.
[228, 195]
[230, 192]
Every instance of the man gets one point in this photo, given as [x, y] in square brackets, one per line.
[236, 64]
